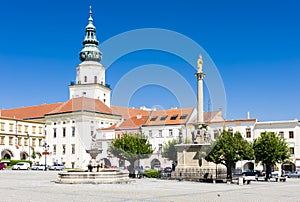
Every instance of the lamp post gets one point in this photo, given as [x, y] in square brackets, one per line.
[28, 145]
[46, 148]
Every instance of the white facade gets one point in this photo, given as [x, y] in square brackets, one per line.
[70, 135]
[290, 131]
[90, 82]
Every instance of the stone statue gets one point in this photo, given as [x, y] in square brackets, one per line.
[200, 62]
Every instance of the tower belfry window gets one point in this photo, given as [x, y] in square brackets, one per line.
[85, 78]
[95, 79]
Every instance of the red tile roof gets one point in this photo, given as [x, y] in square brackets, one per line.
[30, 112]
[82, 104]
[133, 122]
[169, 117]
[128, 112]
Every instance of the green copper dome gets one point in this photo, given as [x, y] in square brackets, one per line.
[90, 51]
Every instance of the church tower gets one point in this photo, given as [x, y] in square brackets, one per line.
[90, 74]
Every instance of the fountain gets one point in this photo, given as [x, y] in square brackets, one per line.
[94, 174]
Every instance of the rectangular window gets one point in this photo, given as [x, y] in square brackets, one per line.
[73, 131]
[291, 134]
[73, 149]
[2, 140]
[40, 130]
[183, 116]
[292, 150]
[281, 134]
[153, 118]
[33, 129]
[231, 131]
[11, 140]
[248, 132]
[40, 142]
[150, 133]
[26, 142]
[216, 134]
[64, 132]
[26, 129]
[170, 132]
[11, 127]
[19, 128]
[163, 118]
[20, 141]
[33, 142]
[159, 148]
[63, 149]
[2, 126]
[54, 132]
[54, 149]
[160, 133]
[174, 117]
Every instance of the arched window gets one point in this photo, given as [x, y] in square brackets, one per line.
[85, 78]
[95, 79]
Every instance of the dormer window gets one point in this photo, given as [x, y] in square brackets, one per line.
[163, 117]
[183, 116]
[174, 117]
[153, 118]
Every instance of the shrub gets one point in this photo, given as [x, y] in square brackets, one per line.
[152, 173]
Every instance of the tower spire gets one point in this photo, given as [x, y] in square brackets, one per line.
[90, 51]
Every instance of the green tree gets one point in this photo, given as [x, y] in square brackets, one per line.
[270, 149]
[229, 149]
[169, 151]
[33, 155]
[131, 147]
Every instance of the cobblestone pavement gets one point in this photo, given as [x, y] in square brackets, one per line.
[40, 186]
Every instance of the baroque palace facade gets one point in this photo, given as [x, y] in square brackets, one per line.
[67, 129]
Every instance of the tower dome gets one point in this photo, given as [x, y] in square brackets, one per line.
[90, 51]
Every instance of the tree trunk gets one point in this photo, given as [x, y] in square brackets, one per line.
[229, 173]
[268, 172]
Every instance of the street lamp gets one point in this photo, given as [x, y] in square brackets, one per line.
[46, 148]
[28, 145]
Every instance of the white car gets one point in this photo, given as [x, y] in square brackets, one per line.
[38, 167]
[21, 166]
[57, 167]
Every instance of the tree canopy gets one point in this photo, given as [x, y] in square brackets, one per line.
[228, 149]
[169, 150]
[131, 147]
[270, 149]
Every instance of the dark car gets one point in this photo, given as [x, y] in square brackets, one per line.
[2, 166]
[168, 170]
[255, 173]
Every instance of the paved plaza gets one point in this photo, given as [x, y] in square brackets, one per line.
[40, 186]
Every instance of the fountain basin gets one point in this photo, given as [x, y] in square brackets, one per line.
[106, 176]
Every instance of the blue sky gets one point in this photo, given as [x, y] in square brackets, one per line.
[254, 44]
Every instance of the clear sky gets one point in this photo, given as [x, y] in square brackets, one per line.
[253, 43]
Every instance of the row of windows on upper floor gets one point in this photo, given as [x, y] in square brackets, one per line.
[73, 121]
[20, 128]
[21, 141]
[64, 147]
[85, 80]
[64, 132]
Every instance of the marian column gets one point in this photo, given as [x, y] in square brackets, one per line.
[200, 76]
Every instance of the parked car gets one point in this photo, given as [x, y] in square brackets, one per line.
[2, 166]
[168, 170]
[57, 167]
[21, 166]
[255, 173]
[38, 167]
[292, 174]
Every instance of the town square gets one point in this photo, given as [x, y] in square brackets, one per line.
[94, 110]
